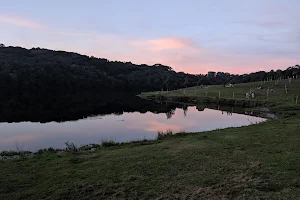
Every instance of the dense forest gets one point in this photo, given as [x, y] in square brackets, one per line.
[42, 71]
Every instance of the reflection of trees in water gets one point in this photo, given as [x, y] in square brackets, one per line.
[185, 109]
[227, 112]
[170, 113]
[68, 107]
[200, 107]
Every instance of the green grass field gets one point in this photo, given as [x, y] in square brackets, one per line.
[261, 161]
[277, 92]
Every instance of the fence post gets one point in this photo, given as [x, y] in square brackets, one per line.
[285, 89]
[219, 94]
[233, 95]
[297, 99]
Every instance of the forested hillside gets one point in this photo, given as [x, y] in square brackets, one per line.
[27, 71]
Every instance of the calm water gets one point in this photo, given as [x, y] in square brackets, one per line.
[122, 127]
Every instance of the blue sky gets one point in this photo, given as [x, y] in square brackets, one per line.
[194, 36]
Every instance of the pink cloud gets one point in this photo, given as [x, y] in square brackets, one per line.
[71, 34]
[157, 45]
[34, 25]
[20, 22]
[170, 43]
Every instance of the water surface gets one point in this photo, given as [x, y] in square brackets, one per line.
[122, 127]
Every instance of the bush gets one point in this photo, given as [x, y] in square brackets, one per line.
[71, 147]
[49, 150]
[108, 143]
[161, 134]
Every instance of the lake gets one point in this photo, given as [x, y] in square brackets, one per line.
[136, 120]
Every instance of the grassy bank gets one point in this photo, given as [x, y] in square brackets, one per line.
[272, 93]
[257, 162]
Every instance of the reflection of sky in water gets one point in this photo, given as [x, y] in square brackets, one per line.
[126, 127]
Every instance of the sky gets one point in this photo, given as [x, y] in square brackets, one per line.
[193, 36]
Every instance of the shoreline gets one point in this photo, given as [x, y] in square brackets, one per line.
[256, 161]
[72, 148]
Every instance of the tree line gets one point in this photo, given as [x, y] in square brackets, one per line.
[42, 71]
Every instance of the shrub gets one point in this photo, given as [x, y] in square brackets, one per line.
[46, 151]
[161, 134]
[108, 143]
[71, 147]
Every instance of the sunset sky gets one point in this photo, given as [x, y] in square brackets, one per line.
[194, 36]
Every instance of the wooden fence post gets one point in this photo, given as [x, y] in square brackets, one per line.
[285, 89]
[297, 99]
[219, 94]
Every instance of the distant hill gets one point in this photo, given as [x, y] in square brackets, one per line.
[39, 70]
